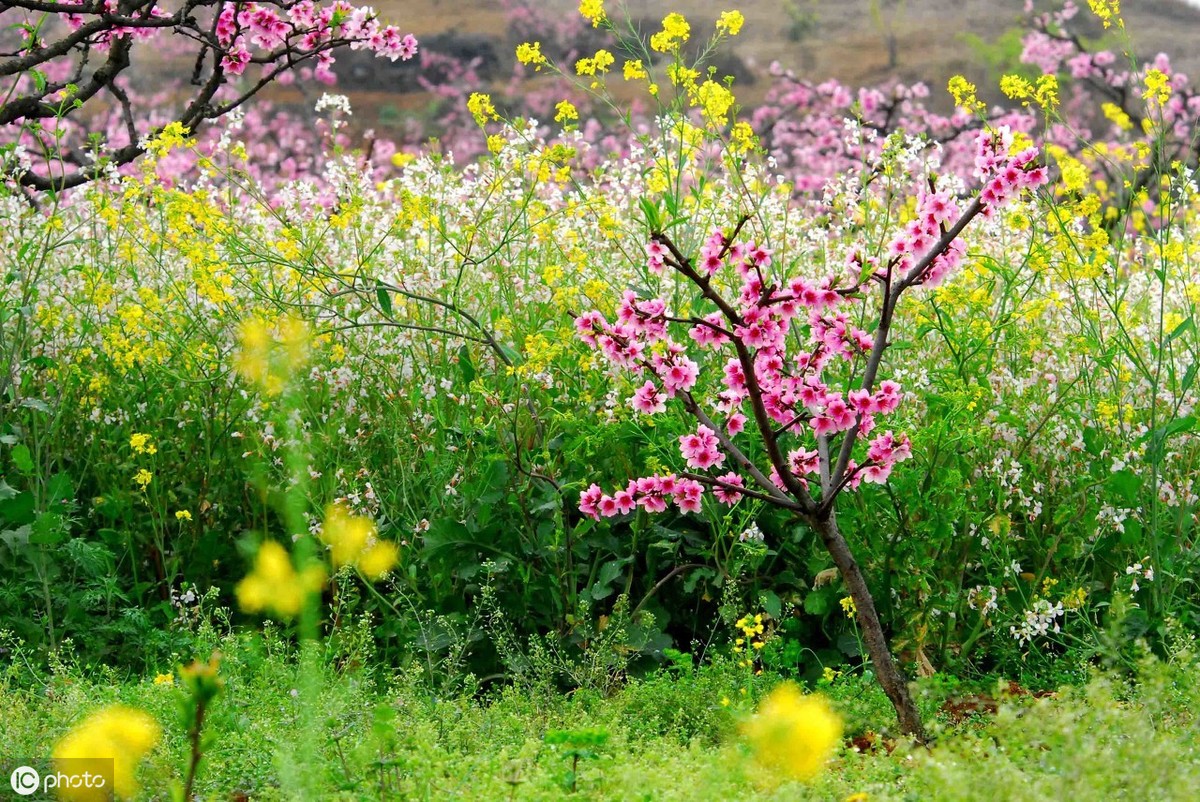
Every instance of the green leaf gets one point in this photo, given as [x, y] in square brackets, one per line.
[48, 530]
[384, 297]
[60, 488]
[1181, 329]
[771, 603]
[598, 591]
[816, 603]
[652, 215]
[22, 458]
[1126, 485]
[847, 644]
[1189, 377]
[15, 538]
[1132, 535]
[465, 365]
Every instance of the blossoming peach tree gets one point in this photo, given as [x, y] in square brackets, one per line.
[59, 58]
[784, 388]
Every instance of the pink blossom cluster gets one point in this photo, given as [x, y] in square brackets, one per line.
[1005, 176]
[103, 39]
[651, 493]
[790, 388]
[310, 28]
[784, 389]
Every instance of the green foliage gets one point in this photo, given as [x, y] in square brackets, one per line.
[667, 736]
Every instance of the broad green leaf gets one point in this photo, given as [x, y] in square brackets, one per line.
[22, 458]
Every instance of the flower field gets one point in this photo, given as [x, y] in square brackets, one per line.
[837, 448]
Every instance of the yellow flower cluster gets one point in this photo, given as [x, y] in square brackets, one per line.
[596, 65]
[753, 636]
[269, 359]
[792, 733]
[1074, 599]
[118, 733]
[1158, 86]
[848, 606]
[481, 108]
[592, 11]
[1075, 174]
[565, 111]
[141, 444]
[1117, 116]
[730, 22]
[963, 92]
[274, 586]
[742, 138]
[353, 540]
[1044, 92]
[1108, 11]
[531, 55]
[173, 135]
[714, 102]
[675, 31]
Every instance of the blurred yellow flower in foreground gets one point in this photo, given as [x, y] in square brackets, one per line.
[275, 586]
[270, 356]
[792, 733]
[121, 733]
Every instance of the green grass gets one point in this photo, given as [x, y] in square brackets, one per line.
[380, 735]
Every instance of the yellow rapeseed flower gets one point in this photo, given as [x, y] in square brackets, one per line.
[164, 679]
[592, 11]
[531, 55]
[345, 534]
[269, 360]
[596, 65]
[730, 22]
[379, 559]
[742, 138]
[714, 102]
[143, 478]
[963, 92]
[275, 586]
[675, 31]
[1158, 86]
[142, 444]
[122, 734]
[792, 733]
[1107, 11]
[481, 108]
[353, 540]
[634, 70]
[1116, 115]
[183, 515]
[173, 135]
[565, 111]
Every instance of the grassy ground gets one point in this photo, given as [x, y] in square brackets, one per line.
[385, 735]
